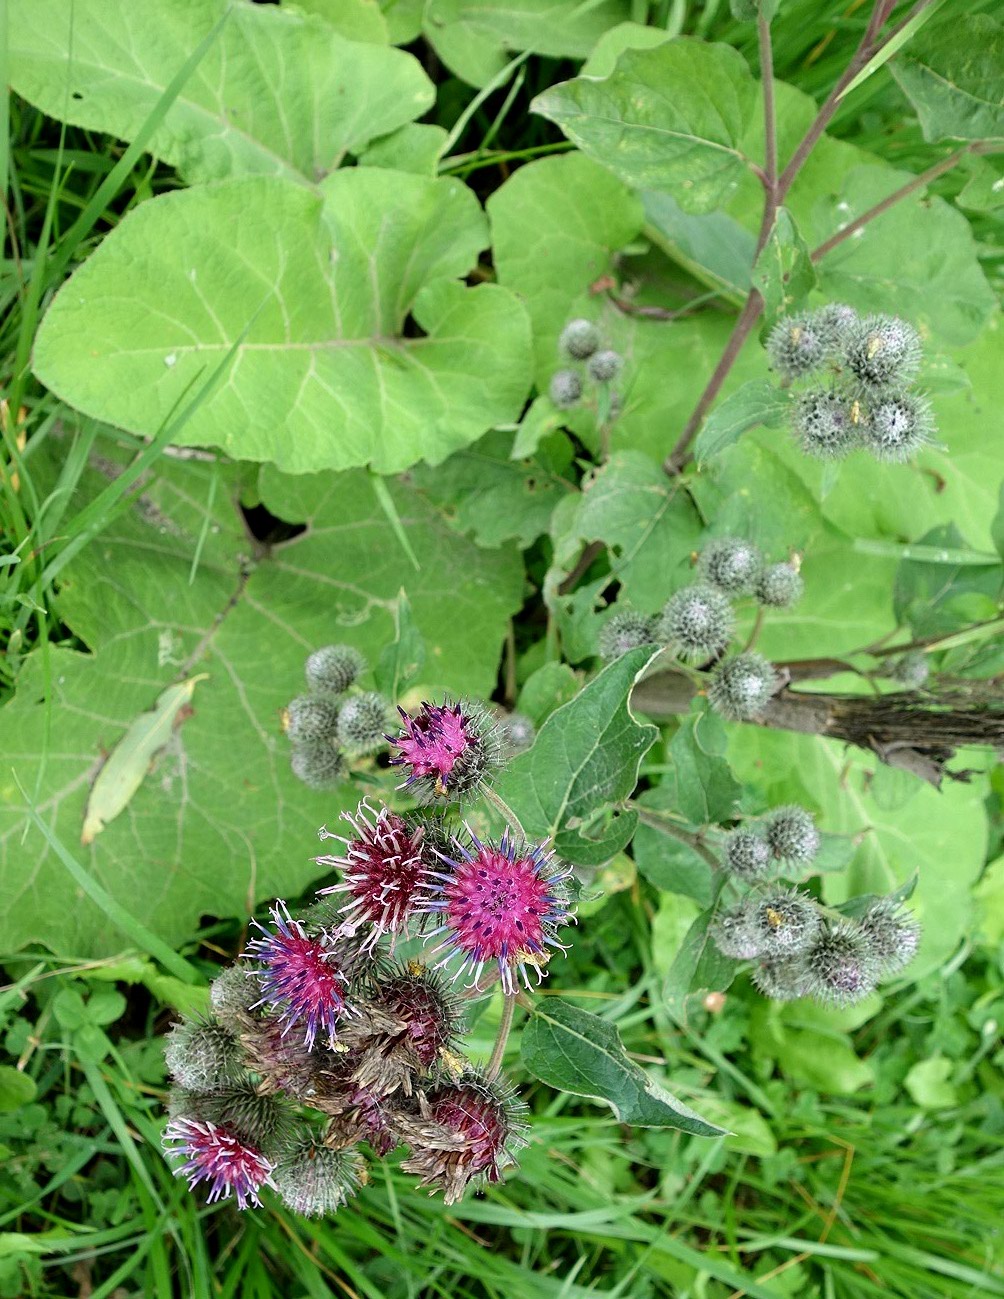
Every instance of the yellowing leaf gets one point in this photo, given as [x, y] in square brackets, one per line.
[129, 762]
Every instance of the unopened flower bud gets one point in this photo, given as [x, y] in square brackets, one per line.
[732, 564]
[882, 353]
[604, 366]
[579, 339]
[742, 686]
[792, 835]
[795, 346]
[362, 723]
[697, 621]
[779, 586]
[565, 388]
[625, 631]
[746, 854]
[334, 668]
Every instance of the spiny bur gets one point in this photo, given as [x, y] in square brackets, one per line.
[579, 339]
[565, 388]
[742, 686]
[333, 669]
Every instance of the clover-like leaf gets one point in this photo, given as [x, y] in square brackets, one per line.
[277, 92]
[352, 342]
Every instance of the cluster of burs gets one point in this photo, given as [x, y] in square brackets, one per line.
[862, 372]
[324, 1048]
[799, 947]
[698, 622]
[336, 721]
[591, 364]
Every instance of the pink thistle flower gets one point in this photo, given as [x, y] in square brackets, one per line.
[499, 903]
[301, 979]
[213, 1153]
[382, 871]
[467, 1132]
[450, 749]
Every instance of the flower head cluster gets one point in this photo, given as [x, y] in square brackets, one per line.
[587, 362]
[334, 721]
[800, 950]
[866, 397]
[321, 1045]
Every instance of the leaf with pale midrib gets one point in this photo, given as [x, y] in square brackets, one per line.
[218, 823]
[354, 342]
[278, 92]
[577, 1052]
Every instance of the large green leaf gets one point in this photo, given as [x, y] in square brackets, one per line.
[584, 761]
[278, 92]
[952, 74]
[577, 1052]
[219, 822]
[670, 118]
[475, 38]
[314, 292]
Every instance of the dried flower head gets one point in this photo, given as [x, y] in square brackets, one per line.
[840, 966]
[310, 718]
[215, 1154]
[302, 978]
[362, 722]
[408, 1023]
[500, 904]
[697, 621]
[898, 427]
[356, 1112]
[579, 339]
[785, 922]
[334, 668]
[315, 1180]
[792, 835]
[565, 388]
[602, 367]
[892, 933]
[383, 870]
[467, 1133]
[731, 564]
[746, 853]
[779, 586]
[625, 631]
[826, 423]
[202, 1055]
[795, 346]
[881, 353]
[742, 686]
[283, 1059]
[449, 750]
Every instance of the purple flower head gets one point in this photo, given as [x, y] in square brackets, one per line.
[301, 979]
[468, 1132]
[382, 871]
[215, 1154]
[500, 903]
[449, 749]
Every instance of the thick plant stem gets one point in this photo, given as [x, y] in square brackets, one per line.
[505, 1027]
